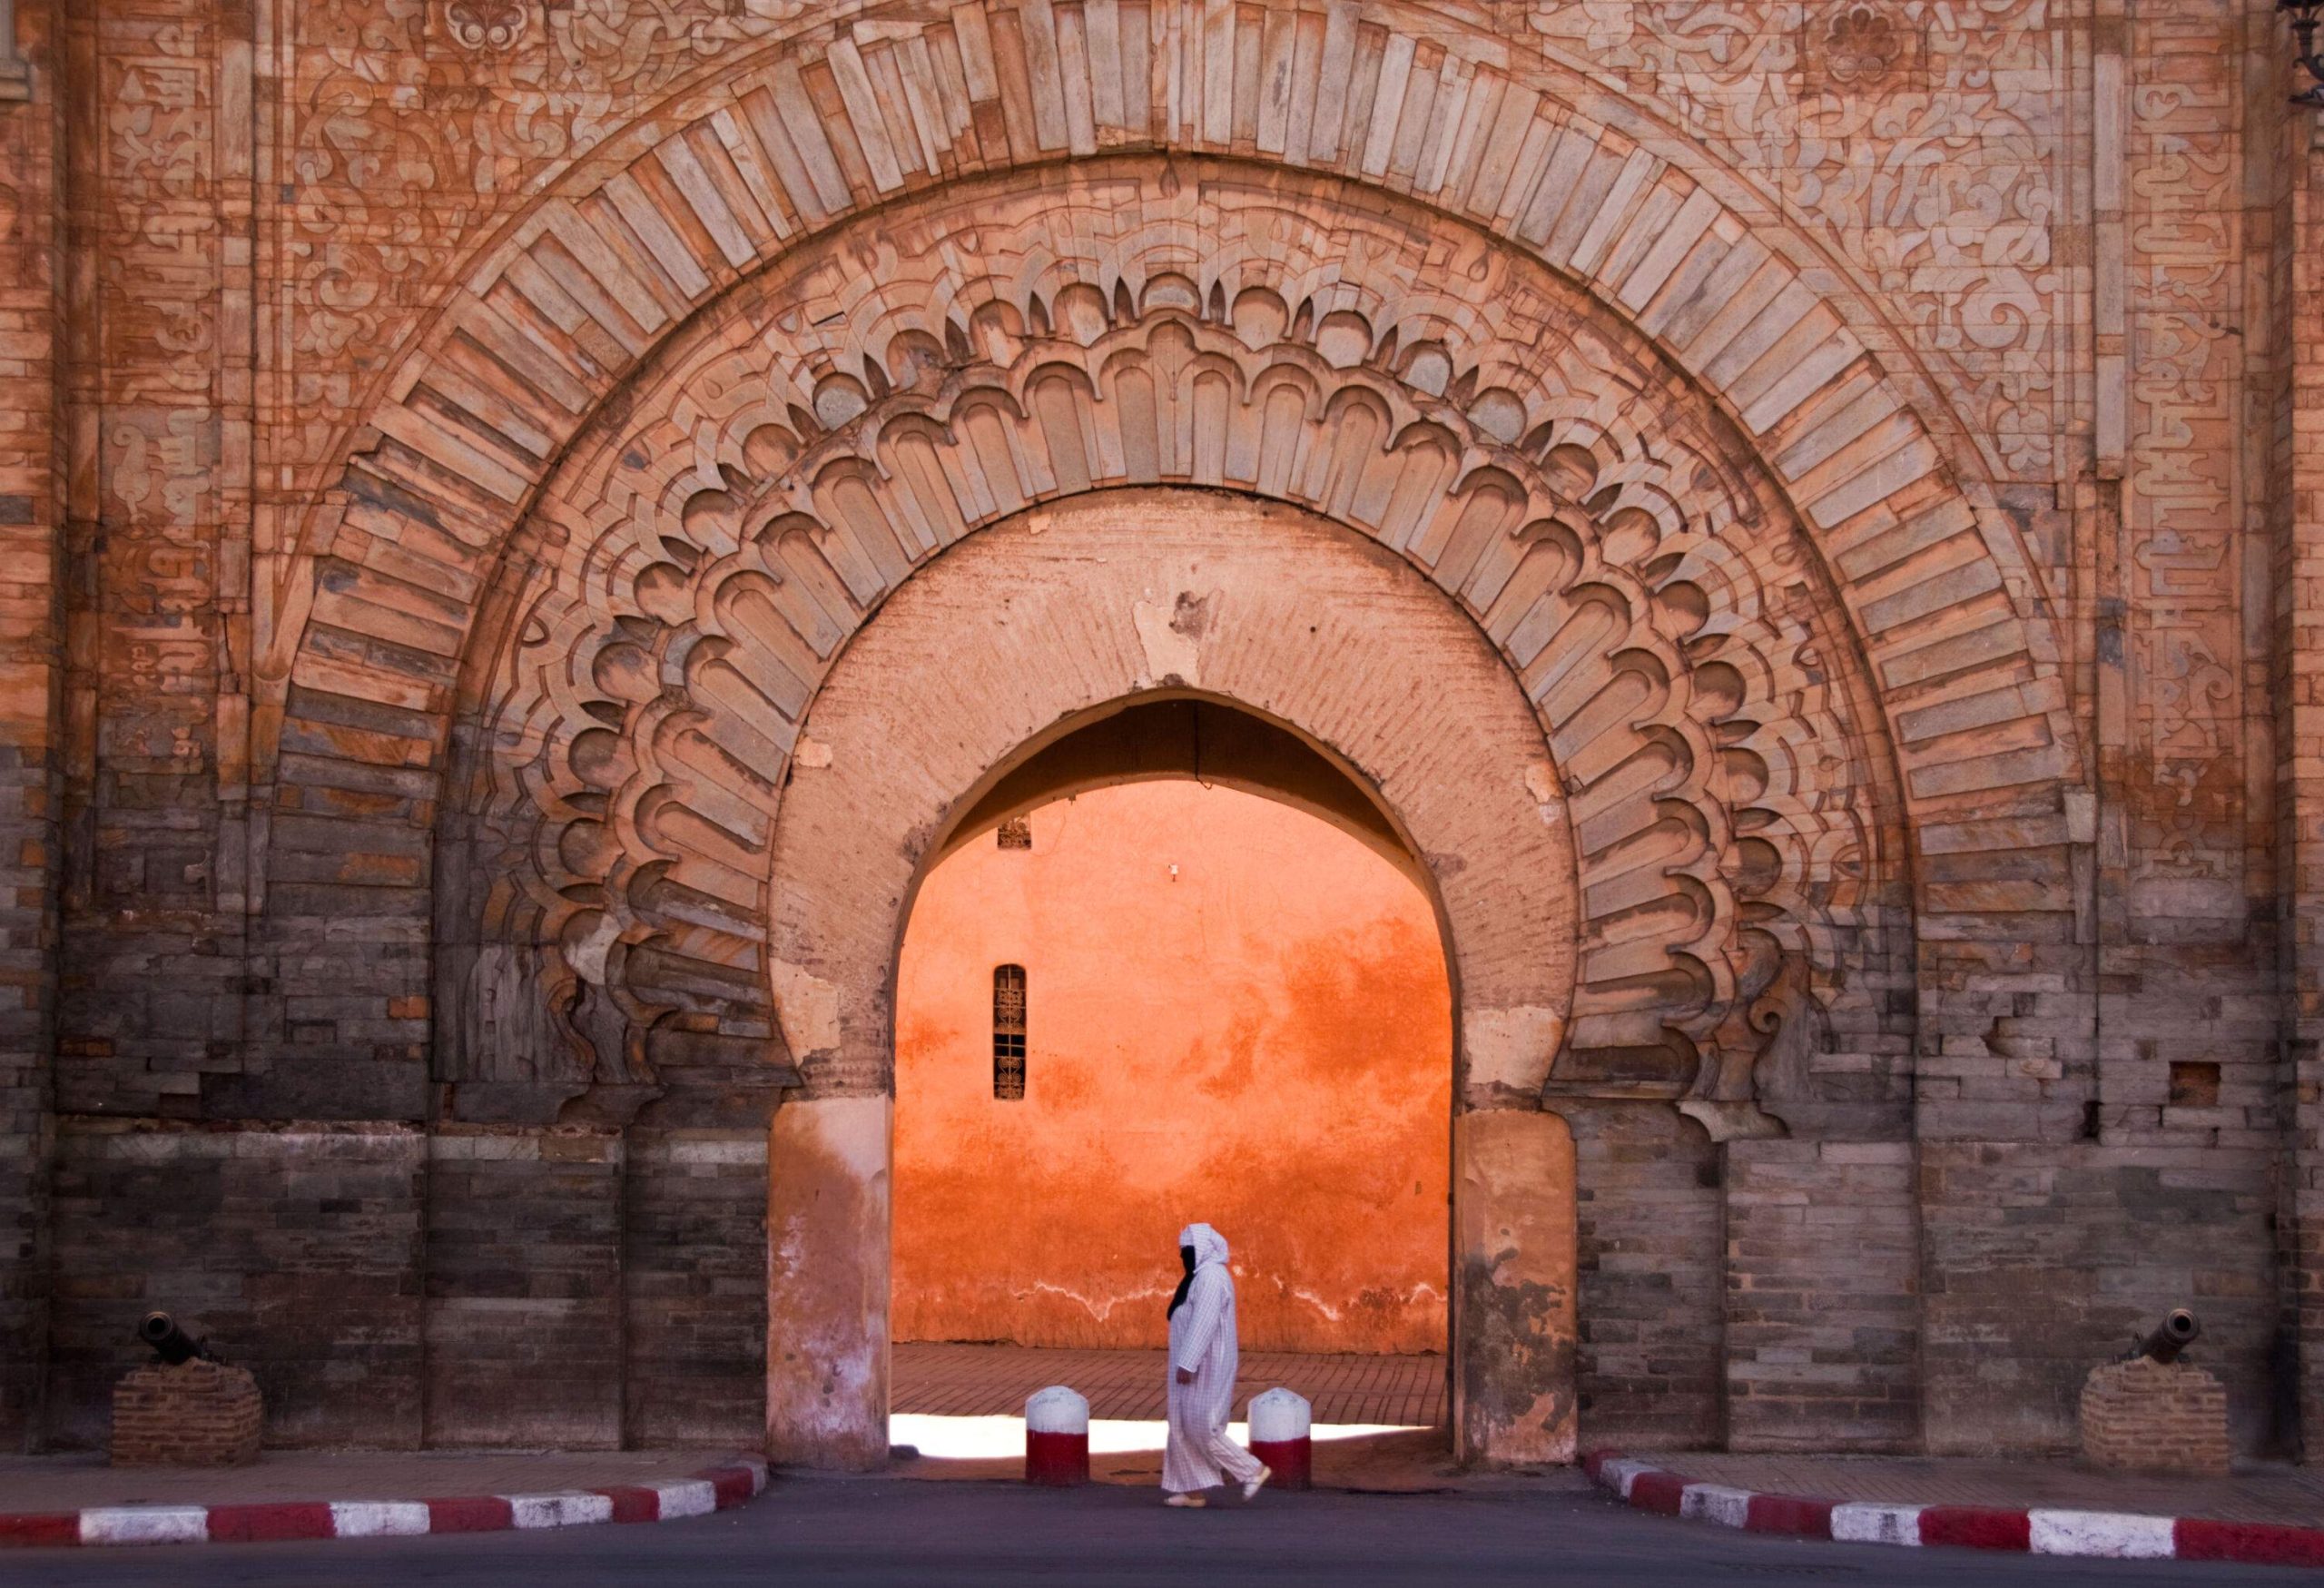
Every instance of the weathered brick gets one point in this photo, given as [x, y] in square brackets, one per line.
[416, 575]
[2146, 1415]
[197, 1414]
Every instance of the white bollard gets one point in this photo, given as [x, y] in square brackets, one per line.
[1056, 1437]
[1281, 1436]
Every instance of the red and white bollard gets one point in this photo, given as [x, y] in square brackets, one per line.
[1056, 1437]
[1280, 1436]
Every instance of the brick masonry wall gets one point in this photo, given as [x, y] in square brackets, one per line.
[525, 1310]
[2040, 1261]
[1823, 1309]
[152, 995]
[2110, 932]
[294, 1250]
[1649, 1215]
[31, 681]
[2298, 587]
[580, 1290]
[694, 1287]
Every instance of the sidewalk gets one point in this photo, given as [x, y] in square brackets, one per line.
[2264, 1512]
[49, 1500]
[961, 1380]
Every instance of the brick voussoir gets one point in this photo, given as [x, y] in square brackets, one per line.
[2100, 1534]
[715, 1489]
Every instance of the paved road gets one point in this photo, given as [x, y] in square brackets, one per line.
[882, 1531]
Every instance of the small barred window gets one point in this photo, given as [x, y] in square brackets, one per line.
[1009, 1032]
[1017, 833]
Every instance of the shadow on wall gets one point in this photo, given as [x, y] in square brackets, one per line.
[1260, 1037]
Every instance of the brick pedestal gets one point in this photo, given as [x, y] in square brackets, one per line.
[201, 1414]
[2143, 1415]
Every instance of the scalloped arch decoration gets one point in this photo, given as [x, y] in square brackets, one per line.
[892, 102]
[705, 553]
[366, 625]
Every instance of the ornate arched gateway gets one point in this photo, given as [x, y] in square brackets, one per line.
[700, 559]
[455, 450]
[1673, 633]
[670, 617]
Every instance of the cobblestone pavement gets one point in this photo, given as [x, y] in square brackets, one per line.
[967, 1381]
[72, 1482]
[2257, 1492]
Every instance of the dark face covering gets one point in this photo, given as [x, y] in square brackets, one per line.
[1179, 1297]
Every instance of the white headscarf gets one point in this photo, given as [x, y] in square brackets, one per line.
[1210, 1247]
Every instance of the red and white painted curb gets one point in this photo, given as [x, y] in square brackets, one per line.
[2108, 1534]
[717, 1488]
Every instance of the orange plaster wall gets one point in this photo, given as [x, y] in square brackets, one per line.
[1263, 1042]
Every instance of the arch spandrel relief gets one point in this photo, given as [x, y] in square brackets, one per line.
[948, 90]
[585, 278]
[707, 548]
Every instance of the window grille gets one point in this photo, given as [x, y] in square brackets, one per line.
[1009, 1032]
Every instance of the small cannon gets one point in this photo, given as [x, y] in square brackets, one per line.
[2174, 1334]
[172, 1344]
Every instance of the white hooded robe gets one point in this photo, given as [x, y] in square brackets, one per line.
[1199, 1455]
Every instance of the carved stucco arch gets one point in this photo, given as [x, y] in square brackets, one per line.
[703, 555]
[833, 117]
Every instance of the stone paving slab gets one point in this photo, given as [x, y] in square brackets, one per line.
[78, 1482]
[2255, 1492]
[972, 1381]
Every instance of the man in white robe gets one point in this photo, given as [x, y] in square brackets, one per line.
[1203, 1361]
